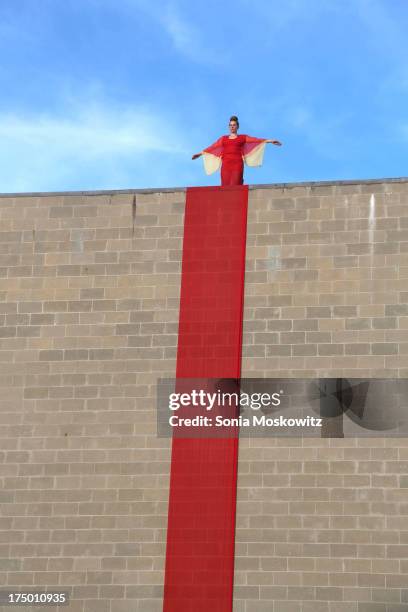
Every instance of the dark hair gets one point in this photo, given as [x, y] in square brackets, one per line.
[235, 118]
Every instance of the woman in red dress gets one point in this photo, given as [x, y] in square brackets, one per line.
[231, 151]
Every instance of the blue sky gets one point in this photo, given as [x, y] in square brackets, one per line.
[118, 94]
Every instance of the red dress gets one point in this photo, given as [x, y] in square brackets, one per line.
[232, 168]
[230, 154]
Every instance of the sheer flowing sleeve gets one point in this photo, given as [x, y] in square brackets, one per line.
[253, 150]
[212, 156]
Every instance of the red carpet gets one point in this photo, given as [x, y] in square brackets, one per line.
[202, 500]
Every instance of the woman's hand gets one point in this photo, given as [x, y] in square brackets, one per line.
[196, 155]
[275, 142]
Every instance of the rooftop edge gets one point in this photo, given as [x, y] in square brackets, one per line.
[183, 189]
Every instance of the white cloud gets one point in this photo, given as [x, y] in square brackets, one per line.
[386, 33]
[327, 135]
[184, 34]
[299, 117]
[91, 146]
[401, 131]
[95, 131]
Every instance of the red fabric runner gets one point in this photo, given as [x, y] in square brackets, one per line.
[202, 499]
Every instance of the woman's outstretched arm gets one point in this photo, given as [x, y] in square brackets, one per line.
[216, 144]
[253, 139]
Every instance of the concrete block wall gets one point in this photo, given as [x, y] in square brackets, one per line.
[322, 525]
[89, 292]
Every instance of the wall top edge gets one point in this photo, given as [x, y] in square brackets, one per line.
[183, 189]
